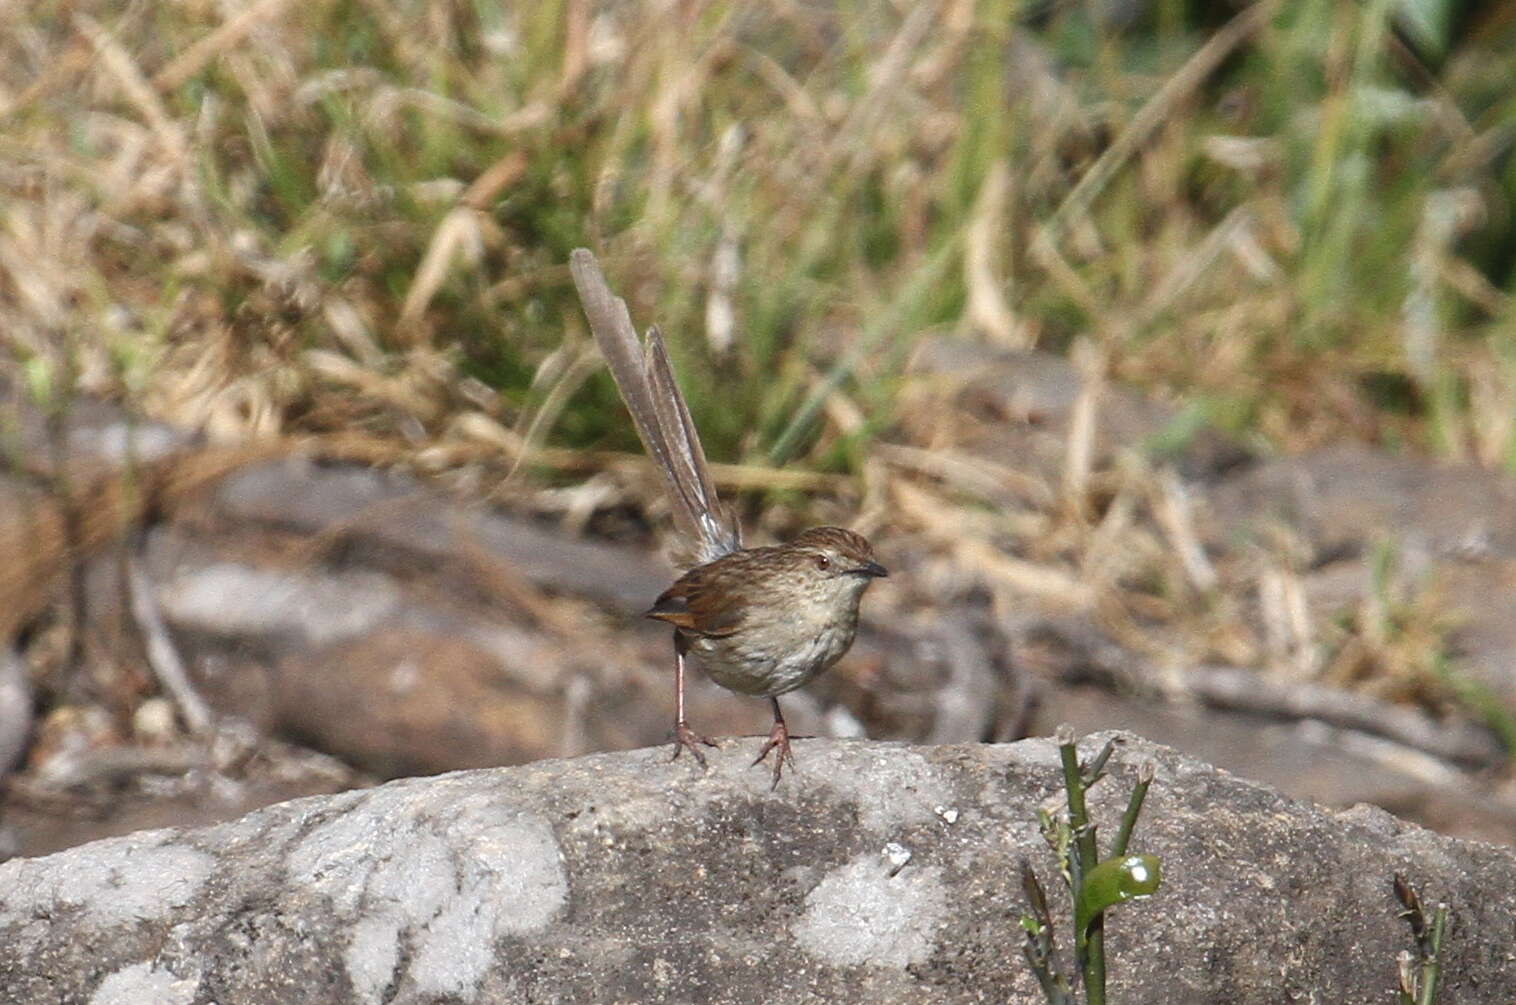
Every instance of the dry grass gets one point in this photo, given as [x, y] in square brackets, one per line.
[354, 215]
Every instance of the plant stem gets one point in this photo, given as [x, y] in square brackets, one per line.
[1089, 947]
[1133, 808]
[1431, 964]
[1038, 947]
[1095, 770]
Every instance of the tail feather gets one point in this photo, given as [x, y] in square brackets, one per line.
[646, 380]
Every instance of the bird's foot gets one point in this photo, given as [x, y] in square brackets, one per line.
[779, 743]
[686, 738]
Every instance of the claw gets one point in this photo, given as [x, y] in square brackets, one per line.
[686, 738]
[779, 742]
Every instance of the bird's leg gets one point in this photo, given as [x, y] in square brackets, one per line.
[779, 742]
[684, 736]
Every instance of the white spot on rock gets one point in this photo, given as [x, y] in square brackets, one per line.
[949, 814]
[446, 887]
[897, 855]
[860, 914]
[140, 877]
[142, 982]
[373, 950]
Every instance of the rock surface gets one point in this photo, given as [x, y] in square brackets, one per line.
[876, 873]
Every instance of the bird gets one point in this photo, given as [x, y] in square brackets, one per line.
[761, 621]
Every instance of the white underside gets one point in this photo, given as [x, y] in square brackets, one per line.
[758, 673]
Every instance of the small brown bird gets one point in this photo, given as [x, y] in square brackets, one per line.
[762, 621]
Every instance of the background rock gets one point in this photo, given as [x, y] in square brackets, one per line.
[1453, 524]
[373, 617]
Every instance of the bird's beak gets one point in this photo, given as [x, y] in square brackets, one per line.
[872, 569]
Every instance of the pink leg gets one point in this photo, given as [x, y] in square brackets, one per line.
[779, 742]
[684, 736]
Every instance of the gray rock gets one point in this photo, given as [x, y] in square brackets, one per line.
[876, 873]
[1452, 525]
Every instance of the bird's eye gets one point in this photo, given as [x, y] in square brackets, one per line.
[823, 563]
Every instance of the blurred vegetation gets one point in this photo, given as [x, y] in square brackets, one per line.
[355, 214]
[1293, 217]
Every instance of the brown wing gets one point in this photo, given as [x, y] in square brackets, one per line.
[697, 603]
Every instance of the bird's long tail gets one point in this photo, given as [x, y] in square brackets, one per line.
[646, 381]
